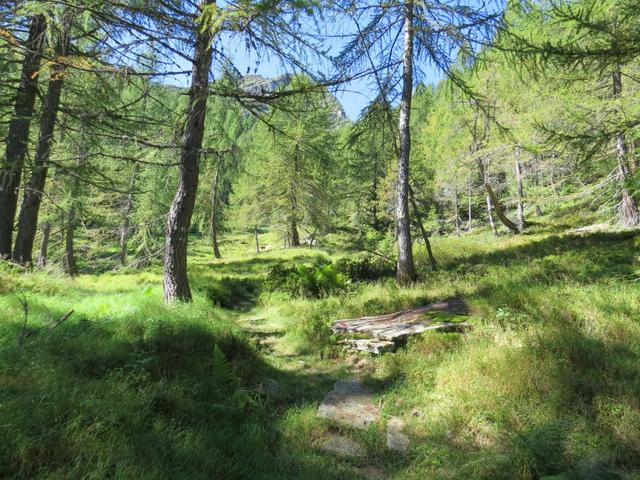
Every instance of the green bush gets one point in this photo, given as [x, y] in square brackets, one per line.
[309, 281]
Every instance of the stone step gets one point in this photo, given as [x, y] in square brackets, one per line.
[374, 346]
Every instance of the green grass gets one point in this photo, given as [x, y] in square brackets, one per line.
[546, 383]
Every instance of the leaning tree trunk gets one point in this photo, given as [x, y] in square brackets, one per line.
[628, 213]
[176, 282]
[28, 218]
[215, 205]
[520, 179]
[423, 232]
[44, 246]
[18, 134]
[495, 202]
[405, 271]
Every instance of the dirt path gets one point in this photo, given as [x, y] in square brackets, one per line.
[348, 410]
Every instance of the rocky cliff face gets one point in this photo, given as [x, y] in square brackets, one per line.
[257, 85]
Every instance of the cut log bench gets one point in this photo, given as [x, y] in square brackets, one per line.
[387, 331]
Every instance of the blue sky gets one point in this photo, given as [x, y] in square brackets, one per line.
[354, 96]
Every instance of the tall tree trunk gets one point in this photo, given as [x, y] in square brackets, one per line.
[255, 232]
[520, 179]
[456, 209]
[490, 216]
[69, 223]
[405, 271]
[176, 281]
[294, 235]
[69, 251]
[125, 228]
[215, 205]
[495, 202]
[628, 213]
[18, 134]
[44, 246]
[469, 204]
[28, 218]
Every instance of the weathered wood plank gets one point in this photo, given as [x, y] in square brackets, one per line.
[400, 325]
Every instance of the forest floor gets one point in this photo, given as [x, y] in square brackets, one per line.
[546, 384]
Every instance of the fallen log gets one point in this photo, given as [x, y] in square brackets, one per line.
[399, 325]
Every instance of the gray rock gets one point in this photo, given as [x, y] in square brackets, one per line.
[377, 347]
[342, 446]
[349, 403]
[396, 440]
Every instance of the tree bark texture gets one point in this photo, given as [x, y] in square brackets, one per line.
[628, 213]
[18, 134]
[405, 270]
[30, 209]
[176, 282]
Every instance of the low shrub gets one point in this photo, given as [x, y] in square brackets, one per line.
[309, 281]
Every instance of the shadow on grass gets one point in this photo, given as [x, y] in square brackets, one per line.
[580, 258]
[150, 399]
[573, 417]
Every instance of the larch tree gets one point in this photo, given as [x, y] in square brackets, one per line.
[589, 37]
[19, 127]
[432, 33]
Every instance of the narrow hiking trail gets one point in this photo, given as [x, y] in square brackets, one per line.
[349, 411]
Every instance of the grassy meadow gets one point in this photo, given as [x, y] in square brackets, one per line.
[546, 385]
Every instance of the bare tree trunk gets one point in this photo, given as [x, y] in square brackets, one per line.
[405, 271]
[520, 179]
[30, 209]
[214, 214]
[18, 134]
[469, 204]
[294, 235]
[176, 281]
[125, 230]
[456, 209]
[69, 253]
[628, 213]
[425, 235]
[255, 232]
[495, 202]
[490, 215]
[44, 246]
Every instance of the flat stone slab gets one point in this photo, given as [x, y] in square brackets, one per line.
[374, 346]
[342, 446]
[396, 440]
[349, 403]
[399, 325]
